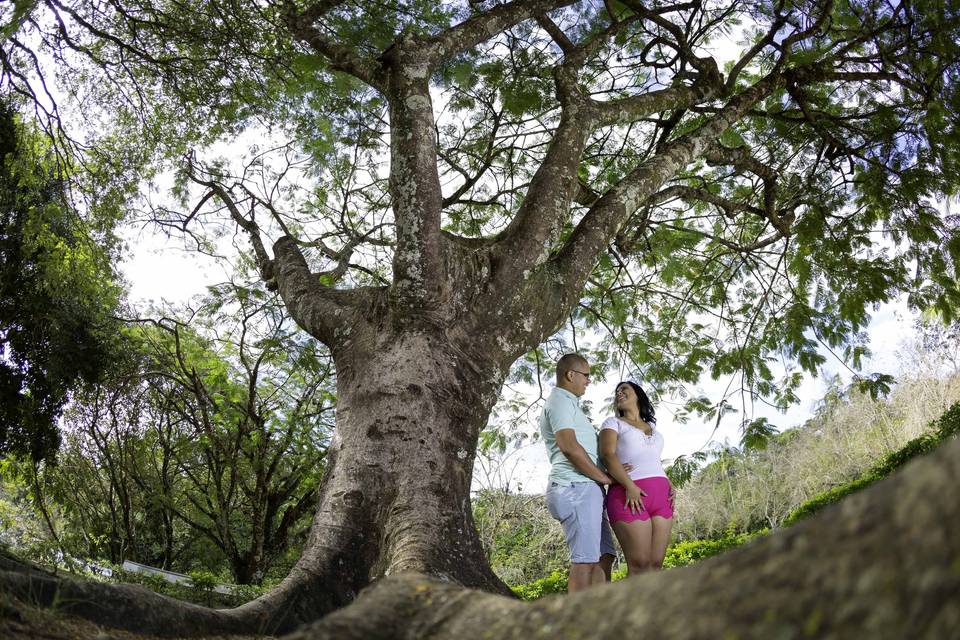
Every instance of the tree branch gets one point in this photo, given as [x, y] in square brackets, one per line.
[625, 110]
[484, 26]
[575, 260]
[304, 28]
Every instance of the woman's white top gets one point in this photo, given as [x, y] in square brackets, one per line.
[637, 448]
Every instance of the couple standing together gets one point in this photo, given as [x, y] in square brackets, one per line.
[639, 502]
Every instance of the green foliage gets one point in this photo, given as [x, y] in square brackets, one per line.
[757, 433]
[556, 582]
[522, 541]
[204, 451]
[832, 496]
[200, 589]
[681, 554]
[21, 526]
[203, 584]
[57, 293]
[684, 467]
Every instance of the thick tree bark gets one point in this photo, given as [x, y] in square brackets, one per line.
[396, 493]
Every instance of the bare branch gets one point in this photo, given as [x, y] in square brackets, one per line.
[556, 33]
[264, 262]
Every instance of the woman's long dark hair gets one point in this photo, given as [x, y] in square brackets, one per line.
[643, 402]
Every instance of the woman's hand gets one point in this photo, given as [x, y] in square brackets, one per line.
[634, 501]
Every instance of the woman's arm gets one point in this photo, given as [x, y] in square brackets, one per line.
[616, 469]
[608, 453]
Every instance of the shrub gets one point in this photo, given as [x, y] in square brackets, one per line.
[678, 554]
[556, 582]
[681, 554]
[203, 584]
[817, 503]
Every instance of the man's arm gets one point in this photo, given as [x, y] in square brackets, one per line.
[577, 455]
[620, 472]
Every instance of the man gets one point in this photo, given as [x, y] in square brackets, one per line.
[574, 493]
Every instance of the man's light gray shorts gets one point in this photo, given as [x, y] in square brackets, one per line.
[579, 508]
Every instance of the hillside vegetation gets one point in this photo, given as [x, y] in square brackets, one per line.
[743, 490]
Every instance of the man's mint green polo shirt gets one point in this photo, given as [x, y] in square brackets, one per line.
[562, 411]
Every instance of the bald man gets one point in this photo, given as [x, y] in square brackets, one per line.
[575, 489]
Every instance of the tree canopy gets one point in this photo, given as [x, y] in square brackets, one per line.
[57, 292]
[773, 165]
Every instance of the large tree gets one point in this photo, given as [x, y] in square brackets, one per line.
[478, 174]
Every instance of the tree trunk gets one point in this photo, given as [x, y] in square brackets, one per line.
[396, 493]
[246, 569]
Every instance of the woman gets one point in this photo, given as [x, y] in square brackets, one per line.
[640, 505]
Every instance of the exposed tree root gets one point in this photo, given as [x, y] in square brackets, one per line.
[120, 606]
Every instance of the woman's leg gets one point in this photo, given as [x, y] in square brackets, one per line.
[636, 540]
[660, 539]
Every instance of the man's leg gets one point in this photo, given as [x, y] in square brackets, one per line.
[604, 569]
[594, 534]
[567, 504]
[581, 576]
[608, 553]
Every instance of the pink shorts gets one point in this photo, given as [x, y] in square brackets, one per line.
[657, 502]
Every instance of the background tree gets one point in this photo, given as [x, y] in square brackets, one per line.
[549, 162]
[57, 291]
[206, 450]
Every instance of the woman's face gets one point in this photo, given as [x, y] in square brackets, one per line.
[626, 398]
